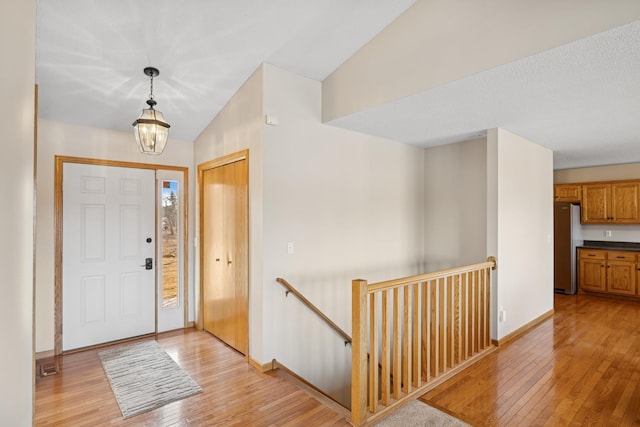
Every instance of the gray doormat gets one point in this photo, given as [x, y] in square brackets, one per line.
[144, 377]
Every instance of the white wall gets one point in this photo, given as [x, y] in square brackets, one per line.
[238, 126]
[520, 228]
[439, 41]
[352, 206]
[17, 79]
[63, 139]
[455, 205]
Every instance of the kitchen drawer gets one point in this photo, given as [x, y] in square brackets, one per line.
[593, 254]
[621, 256]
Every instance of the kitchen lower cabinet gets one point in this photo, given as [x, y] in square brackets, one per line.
[621, 272]
[609, 272]
[592, 272]
[621, 277]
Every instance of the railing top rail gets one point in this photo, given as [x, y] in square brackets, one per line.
[396, 283]
[316, 310]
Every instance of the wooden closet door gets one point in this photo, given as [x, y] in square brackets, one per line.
[225, 253]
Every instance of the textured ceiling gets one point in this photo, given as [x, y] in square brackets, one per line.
[581, 100]
[91, 53]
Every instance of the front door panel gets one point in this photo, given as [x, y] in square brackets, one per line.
[108, 218]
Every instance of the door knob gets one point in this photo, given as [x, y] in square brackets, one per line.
[148, 264]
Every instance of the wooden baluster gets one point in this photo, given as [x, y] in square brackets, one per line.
[480, 310]
[373, 353]
[450, 321]
[359, 352]
[434, 350]
[386, 351]
[442, 322]
[426, 331]
[464, 305]
[472, 313]
[487, 308]
[456, 325]
[397, 346]
[417, 333]
[406, 350]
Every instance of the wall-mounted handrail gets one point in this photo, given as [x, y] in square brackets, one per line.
[316, 310]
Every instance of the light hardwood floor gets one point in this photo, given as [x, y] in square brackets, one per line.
[580, 367]
[235, 393]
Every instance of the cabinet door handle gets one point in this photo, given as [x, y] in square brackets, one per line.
[591, 254]
[620, 257]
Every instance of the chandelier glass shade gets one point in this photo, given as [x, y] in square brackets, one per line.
[151, 130]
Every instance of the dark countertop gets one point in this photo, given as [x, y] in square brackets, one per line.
[624, 246]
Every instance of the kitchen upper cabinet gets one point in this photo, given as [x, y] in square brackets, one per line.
[596, 205]
[624, 202]
[567, 193]
[611, 203]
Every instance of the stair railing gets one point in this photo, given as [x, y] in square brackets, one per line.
[421, 330]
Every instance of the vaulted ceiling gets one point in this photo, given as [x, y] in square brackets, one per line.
[581, 99]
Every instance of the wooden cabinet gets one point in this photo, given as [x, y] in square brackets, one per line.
[595, 207]
[610, 203]
[592, 272]
[621, 272]
[613, 272]
[567, 192]
[624, 202]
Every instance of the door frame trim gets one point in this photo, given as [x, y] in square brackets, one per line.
[57, 208]
[212, 164]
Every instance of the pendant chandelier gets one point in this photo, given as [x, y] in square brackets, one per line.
[151, 129]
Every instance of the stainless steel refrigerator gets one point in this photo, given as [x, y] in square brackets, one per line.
[567, 237]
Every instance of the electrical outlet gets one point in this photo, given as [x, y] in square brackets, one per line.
[502, 315]
[607, 233]
[290, 248]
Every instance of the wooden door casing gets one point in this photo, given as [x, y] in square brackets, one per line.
[60, 161]
[224, 258]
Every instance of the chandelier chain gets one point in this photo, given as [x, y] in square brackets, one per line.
[151, 94]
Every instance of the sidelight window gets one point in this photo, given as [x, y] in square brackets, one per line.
[170, 243]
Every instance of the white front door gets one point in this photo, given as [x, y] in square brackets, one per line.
[108, 234]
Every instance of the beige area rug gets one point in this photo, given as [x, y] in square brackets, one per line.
[144, 377]
[418, 413]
